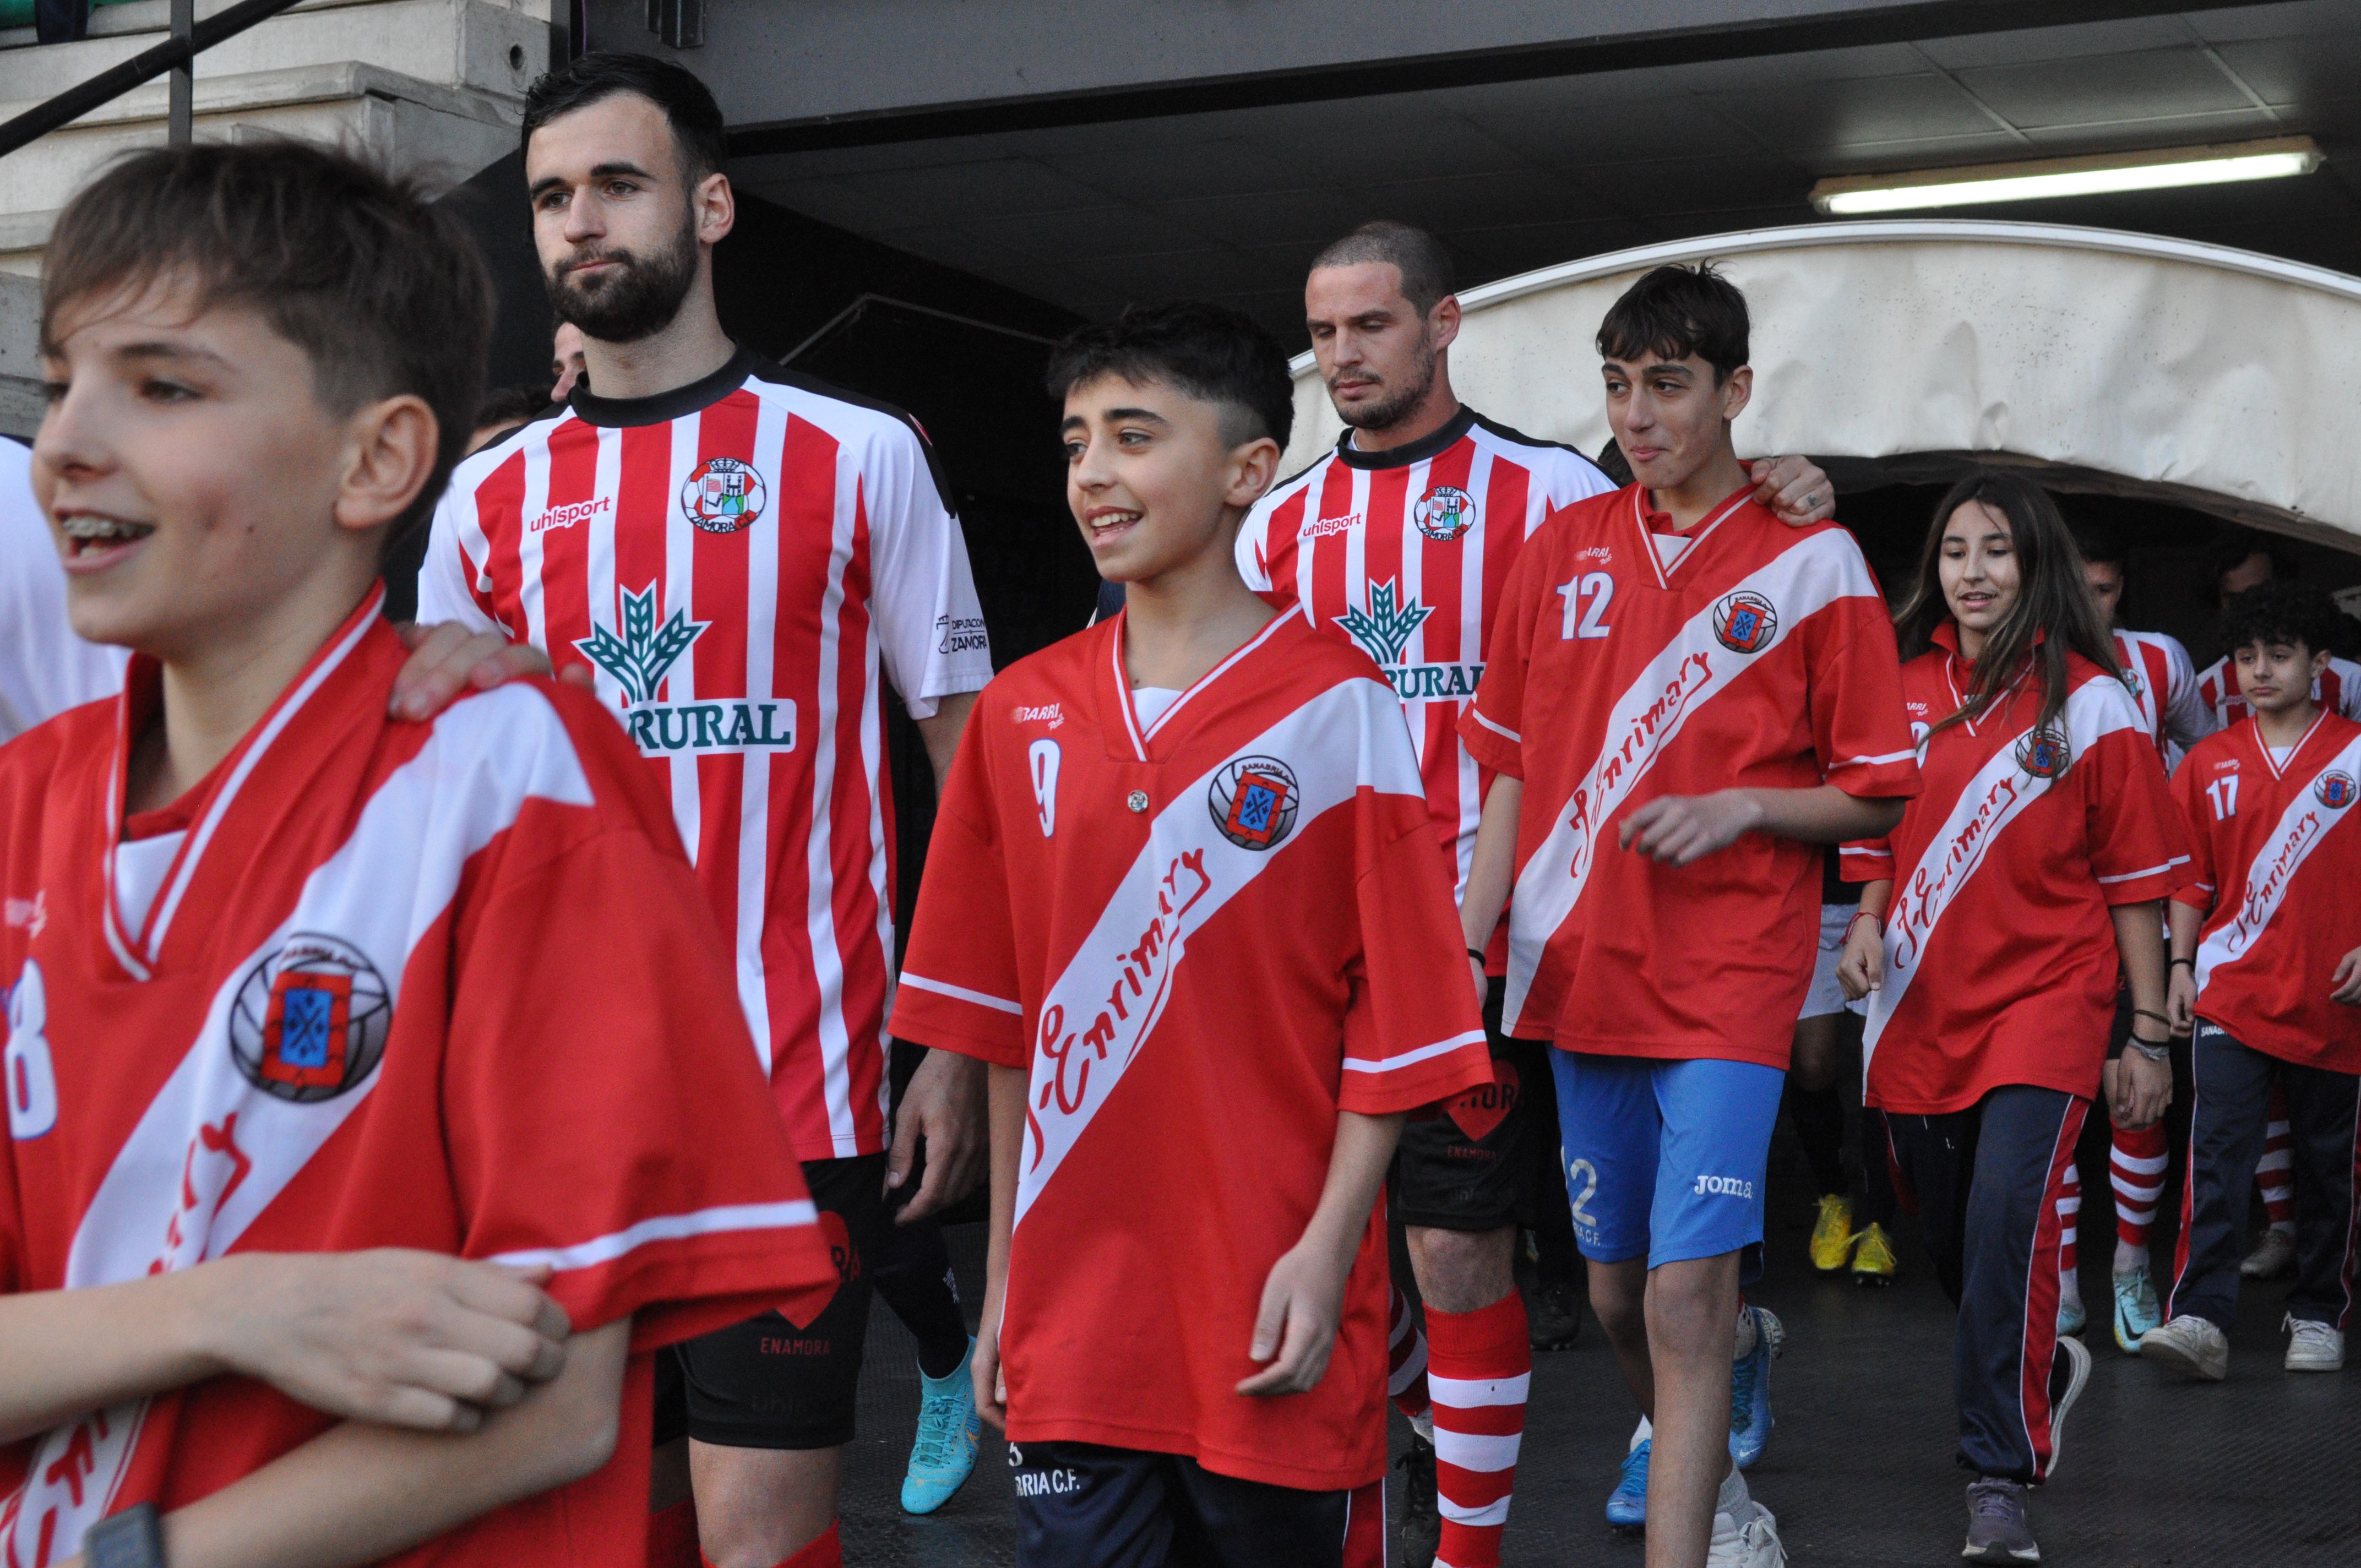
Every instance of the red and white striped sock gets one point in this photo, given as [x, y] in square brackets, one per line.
[1481, 1367]
[2275, 1172]
[2070, 1223]
[2135, 1161]
[1406, 1360]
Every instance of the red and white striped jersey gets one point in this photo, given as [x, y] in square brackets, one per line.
[2163, 683]
[738, 562]
[2277, 855]
[1404, 553]
[2000, 955]
[448, 986]
[1203, 936]
[2336, 688]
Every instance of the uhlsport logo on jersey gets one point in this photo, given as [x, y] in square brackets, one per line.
[311, 1019]
[2335, 790]
[643, 656]
[724, 496]
[2043, 753]
[1253, 802]
[1383, 630]
[1744, 622]
[1443, 513]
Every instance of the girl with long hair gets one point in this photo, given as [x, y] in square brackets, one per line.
[1992, 931]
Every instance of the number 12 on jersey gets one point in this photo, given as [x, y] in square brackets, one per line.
[1587, 598]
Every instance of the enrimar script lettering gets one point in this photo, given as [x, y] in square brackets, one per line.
[1932, 883]
[2263, 896]
[1131, 1003]
[1641, 736]
[569, 514]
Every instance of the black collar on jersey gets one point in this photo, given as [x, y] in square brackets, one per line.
[1418, 451]
[663, 408]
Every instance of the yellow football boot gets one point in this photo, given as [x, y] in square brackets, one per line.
[1832, 1234]
[1873, 1258]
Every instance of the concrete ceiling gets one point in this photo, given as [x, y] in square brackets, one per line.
[1231, 202]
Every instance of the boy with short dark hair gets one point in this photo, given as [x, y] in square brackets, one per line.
[2267, 969]
[307, 1004]
[1182, 896]
[1683, 696]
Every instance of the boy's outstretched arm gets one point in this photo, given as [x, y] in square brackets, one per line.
[1303, 1296]
[1005, 1095]
[1680, 828]
[393, 1336]
[356, 1493]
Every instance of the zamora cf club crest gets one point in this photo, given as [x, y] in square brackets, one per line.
[1745, 622]
[642, 659]
[2043, 753]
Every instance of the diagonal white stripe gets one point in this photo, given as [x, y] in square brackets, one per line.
[2300, 830]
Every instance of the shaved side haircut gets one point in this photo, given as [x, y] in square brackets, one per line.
[1418, 256]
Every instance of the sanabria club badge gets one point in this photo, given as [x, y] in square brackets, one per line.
[2335, 789]
[724, 496]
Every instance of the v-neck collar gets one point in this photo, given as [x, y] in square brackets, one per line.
[2263, 745]
[1696, 536]
[139, 952]
[1138, 736]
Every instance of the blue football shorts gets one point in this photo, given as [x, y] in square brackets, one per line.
[1665, 1157]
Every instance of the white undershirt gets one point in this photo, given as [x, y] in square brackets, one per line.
[1151, 702]
[1670, 547]
[2279, 756]
[140, 868]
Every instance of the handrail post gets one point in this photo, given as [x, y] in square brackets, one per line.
[180, 120]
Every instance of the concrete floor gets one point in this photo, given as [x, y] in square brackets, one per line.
[2262, 1470]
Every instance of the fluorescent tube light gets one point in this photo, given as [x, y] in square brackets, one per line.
[1852, 195]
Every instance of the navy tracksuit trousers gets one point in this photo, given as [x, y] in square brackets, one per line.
[2226, 1120]
[1987, 1182]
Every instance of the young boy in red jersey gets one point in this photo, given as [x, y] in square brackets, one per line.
[1682, 696]
[302, 996]
[1183, 898]
[2266, 967]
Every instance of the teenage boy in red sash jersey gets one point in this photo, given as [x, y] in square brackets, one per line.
[308, 1005]
[2266, 966]
[1682, 698]
[1399, 540]
[1184, 897]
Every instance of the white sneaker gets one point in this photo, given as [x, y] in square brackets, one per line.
[2188, 1345]
[1746, 1538]
[2314, 1347]
[2273, 1255]
[2077, 1359]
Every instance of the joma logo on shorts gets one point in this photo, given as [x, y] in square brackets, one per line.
[1724, 1187]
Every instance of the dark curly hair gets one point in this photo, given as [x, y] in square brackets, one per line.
[2284, 611]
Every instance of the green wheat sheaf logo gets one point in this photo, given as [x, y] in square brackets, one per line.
[1385, 628]
[640, 659]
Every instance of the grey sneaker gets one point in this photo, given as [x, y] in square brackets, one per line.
[2313, 1347]
[1746, 1539]
[2188, 1345]
[1996, 1528]
[2273, 1255]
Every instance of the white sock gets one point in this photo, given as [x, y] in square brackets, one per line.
[2070, 1288]
[1732, 1497]
[1422, 1423]
[2284, 1227]
[1642, 1433]
[1748, 1333]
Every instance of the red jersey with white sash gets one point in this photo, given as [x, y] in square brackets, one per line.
[1202, 938]
[1761, 657]
[2336, 688]
[2277, 852]
[2000, 954]
[2163, 683]
[447, 986]
[738, 563]
[1405, 552]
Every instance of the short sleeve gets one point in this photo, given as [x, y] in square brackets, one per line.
[603, 1109]
[1853, 674]
[1866, 860]
[2187, 720]
[1412, 1034]
[1493, 725]
[446, 589]
[960, 989]
[922, 591]
[2188, 801]
[2139, 847]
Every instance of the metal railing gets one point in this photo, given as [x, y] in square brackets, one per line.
[189, 39]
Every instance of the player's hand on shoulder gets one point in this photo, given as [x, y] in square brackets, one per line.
[448, 660]
[391, 1336]
[1677, 829]
[1796, 490]
[1861, 968]
[2346, 980]
[1295, 1332]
